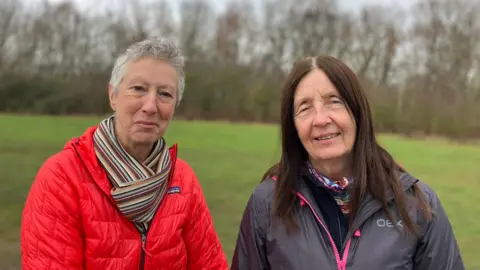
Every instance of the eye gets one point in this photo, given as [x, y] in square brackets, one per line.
[165, 94]
[336, 100]
[303, 109]
[138, 88]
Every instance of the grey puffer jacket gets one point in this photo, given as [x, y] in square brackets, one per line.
[373, 243]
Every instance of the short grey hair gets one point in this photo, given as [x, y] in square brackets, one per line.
[157, 48]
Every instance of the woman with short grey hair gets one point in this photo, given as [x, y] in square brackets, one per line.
[118, 197]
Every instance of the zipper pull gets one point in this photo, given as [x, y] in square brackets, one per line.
[302, 203]
[144, 245]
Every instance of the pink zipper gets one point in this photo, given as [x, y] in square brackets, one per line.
[341, 261]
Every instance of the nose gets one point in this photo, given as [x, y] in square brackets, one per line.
[321, 116]
[150, 104]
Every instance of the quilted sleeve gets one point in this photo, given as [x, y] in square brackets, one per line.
[204, 249]
[50, 230]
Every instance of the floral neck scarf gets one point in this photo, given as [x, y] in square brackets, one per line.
[339, 189]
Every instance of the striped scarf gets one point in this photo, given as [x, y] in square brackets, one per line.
[338, 189]
[138, 188]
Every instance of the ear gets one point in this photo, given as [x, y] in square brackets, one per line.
[111, 96]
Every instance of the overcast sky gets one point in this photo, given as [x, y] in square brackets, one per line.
[220, 4]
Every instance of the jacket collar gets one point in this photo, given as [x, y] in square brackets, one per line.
[367, 207]
[406, 179]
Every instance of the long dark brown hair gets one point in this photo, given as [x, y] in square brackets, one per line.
[375, 171]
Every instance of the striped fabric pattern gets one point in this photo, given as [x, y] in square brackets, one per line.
[138, 188]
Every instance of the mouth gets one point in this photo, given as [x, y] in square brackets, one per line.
[146, 123]
[326, 137]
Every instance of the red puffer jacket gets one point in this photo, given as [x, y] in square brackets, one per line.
[70, 220]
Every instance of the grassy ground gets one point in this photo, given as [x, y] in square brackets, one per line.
[229, 161]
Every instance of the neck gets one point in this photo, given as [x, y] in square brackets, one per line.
[139, 152]
[332, 169]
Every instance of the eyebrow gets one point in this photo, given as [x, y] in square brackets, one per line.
[331, 93]
[136, 79]
[170, 88]
[139, 79]
[303, 99]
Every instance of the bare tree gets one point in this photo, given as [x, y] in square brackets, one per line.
[9, 9]
[196, 35]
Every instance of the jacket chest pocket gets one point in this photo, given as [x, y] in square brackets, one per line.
[382, 246]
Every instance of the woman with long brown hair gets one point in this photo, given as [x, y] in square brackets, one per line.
[337, 199]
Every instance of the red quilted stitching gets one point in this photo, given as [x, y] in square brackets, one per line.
[70, 222]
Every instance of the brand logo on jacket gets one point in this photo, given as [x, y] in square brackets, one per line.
[387, 223]
[173, 190]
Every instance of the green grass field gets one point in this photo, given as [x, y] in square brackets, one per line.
[229, 160]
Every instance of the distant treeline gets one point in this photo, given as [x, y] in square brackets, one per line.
[420, 67]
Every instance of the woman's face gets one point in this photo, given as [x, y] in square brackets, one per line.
[144, 103]
[322, 119]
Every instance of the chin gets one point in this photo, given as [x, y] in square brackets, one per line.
[146, 138]
[325, 158]
[329, 155]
